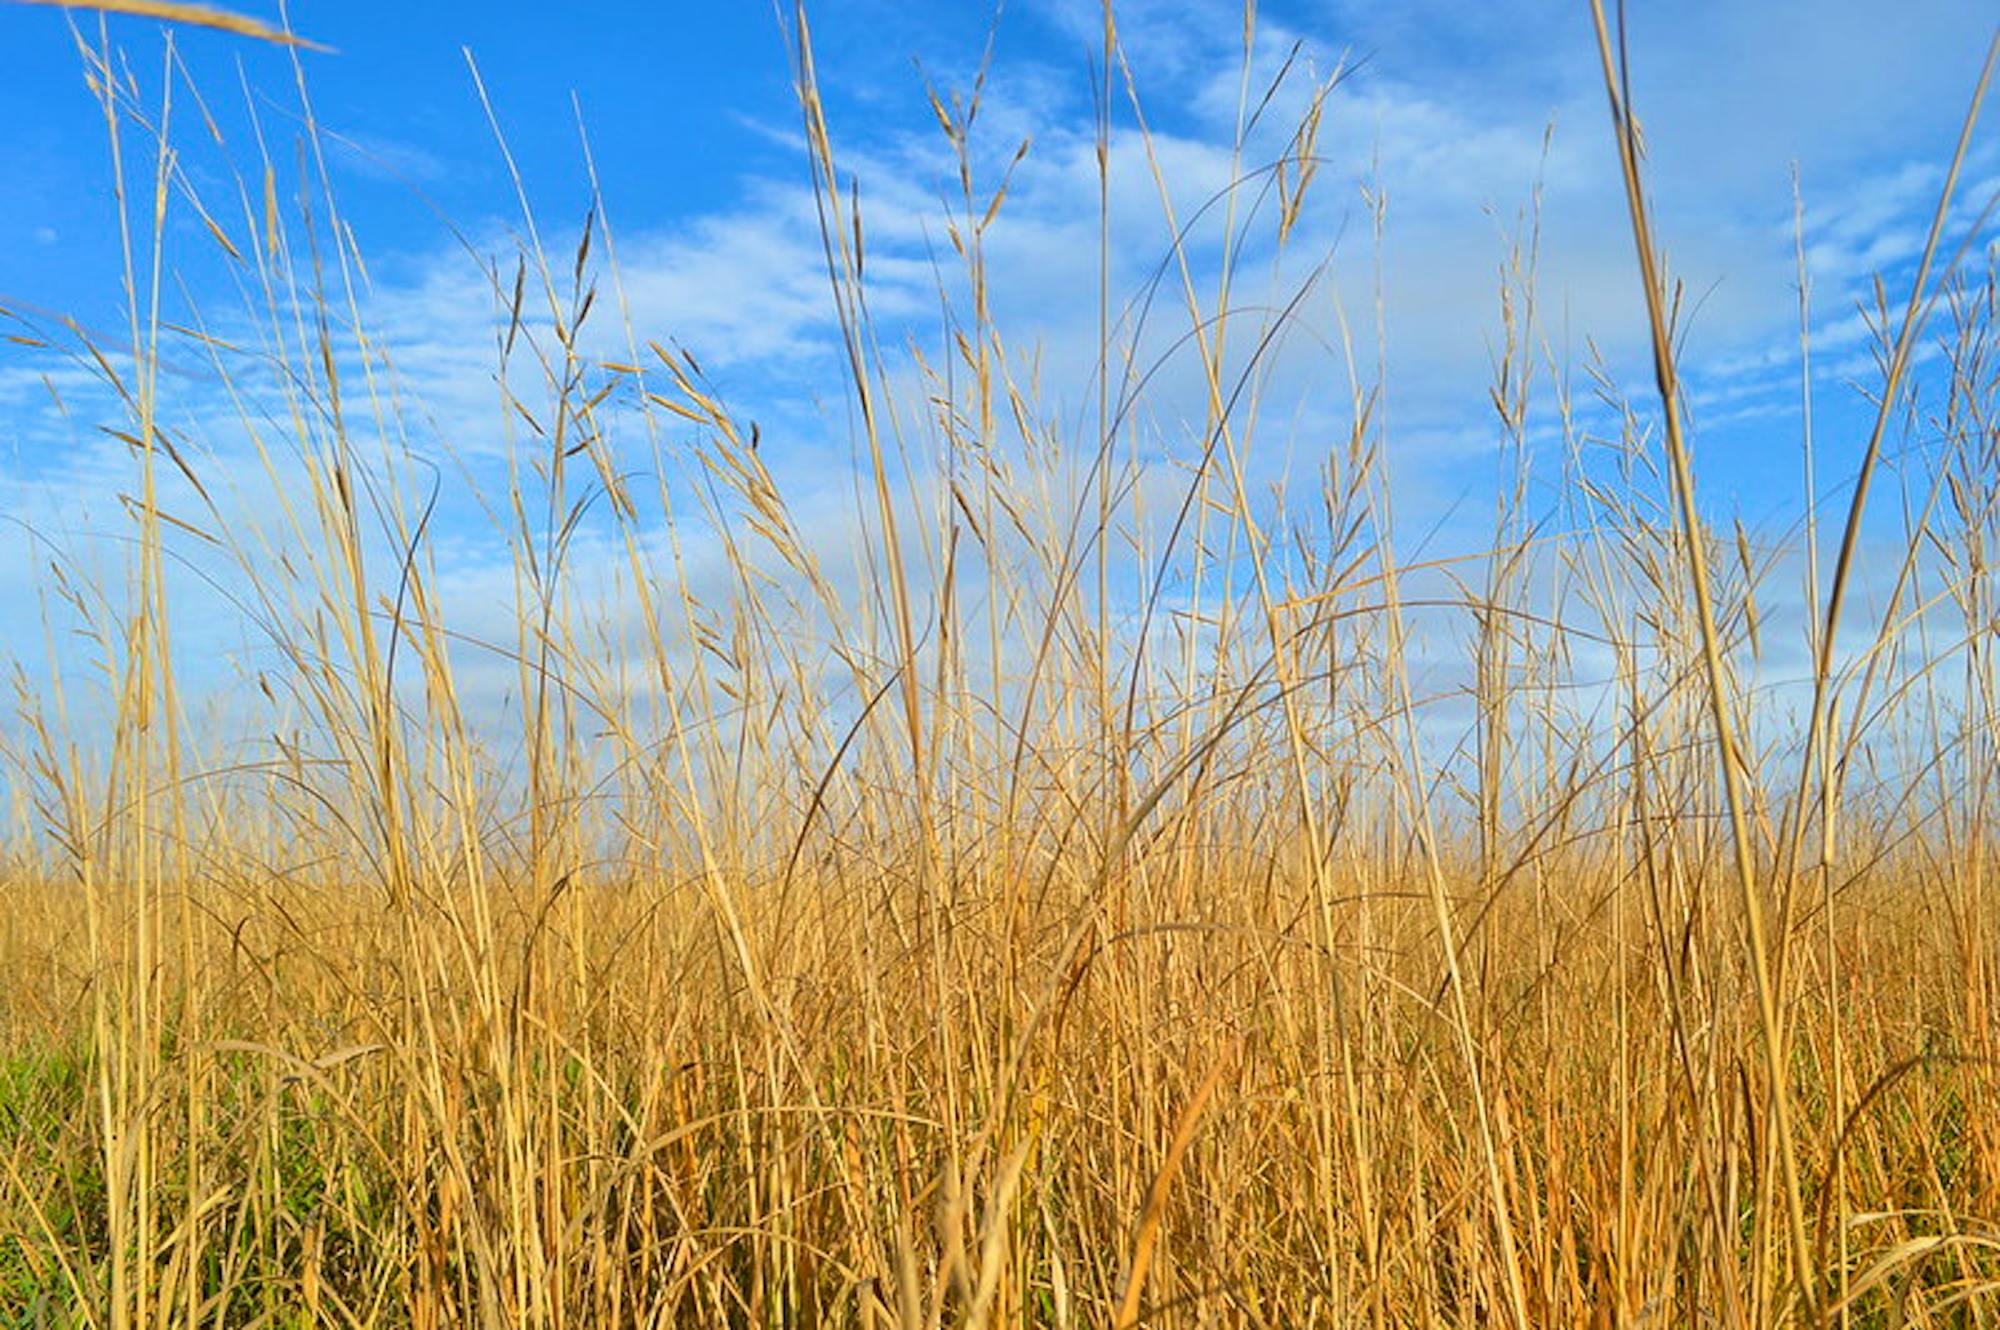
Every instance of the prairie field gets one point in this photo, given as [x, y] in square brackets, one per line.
[1105, 882]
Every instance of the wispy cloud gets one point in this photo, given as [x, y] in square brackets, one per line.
[1458, 121]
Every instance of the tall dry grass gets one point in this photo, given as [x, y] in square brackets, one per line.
[1076, 921]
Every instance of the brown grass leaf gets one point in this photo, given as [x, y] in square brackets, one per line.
[199, 16]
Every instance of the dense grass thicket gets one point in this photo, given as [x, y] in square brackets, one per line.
[1076, 904]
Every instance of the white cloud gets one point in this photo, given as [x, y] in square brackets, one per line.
[1446, 122]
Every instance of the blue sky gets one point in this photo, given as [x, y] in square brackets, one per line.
[690, 113]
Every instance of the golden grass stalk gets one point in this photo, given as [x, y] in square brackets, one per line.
[194, 16]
